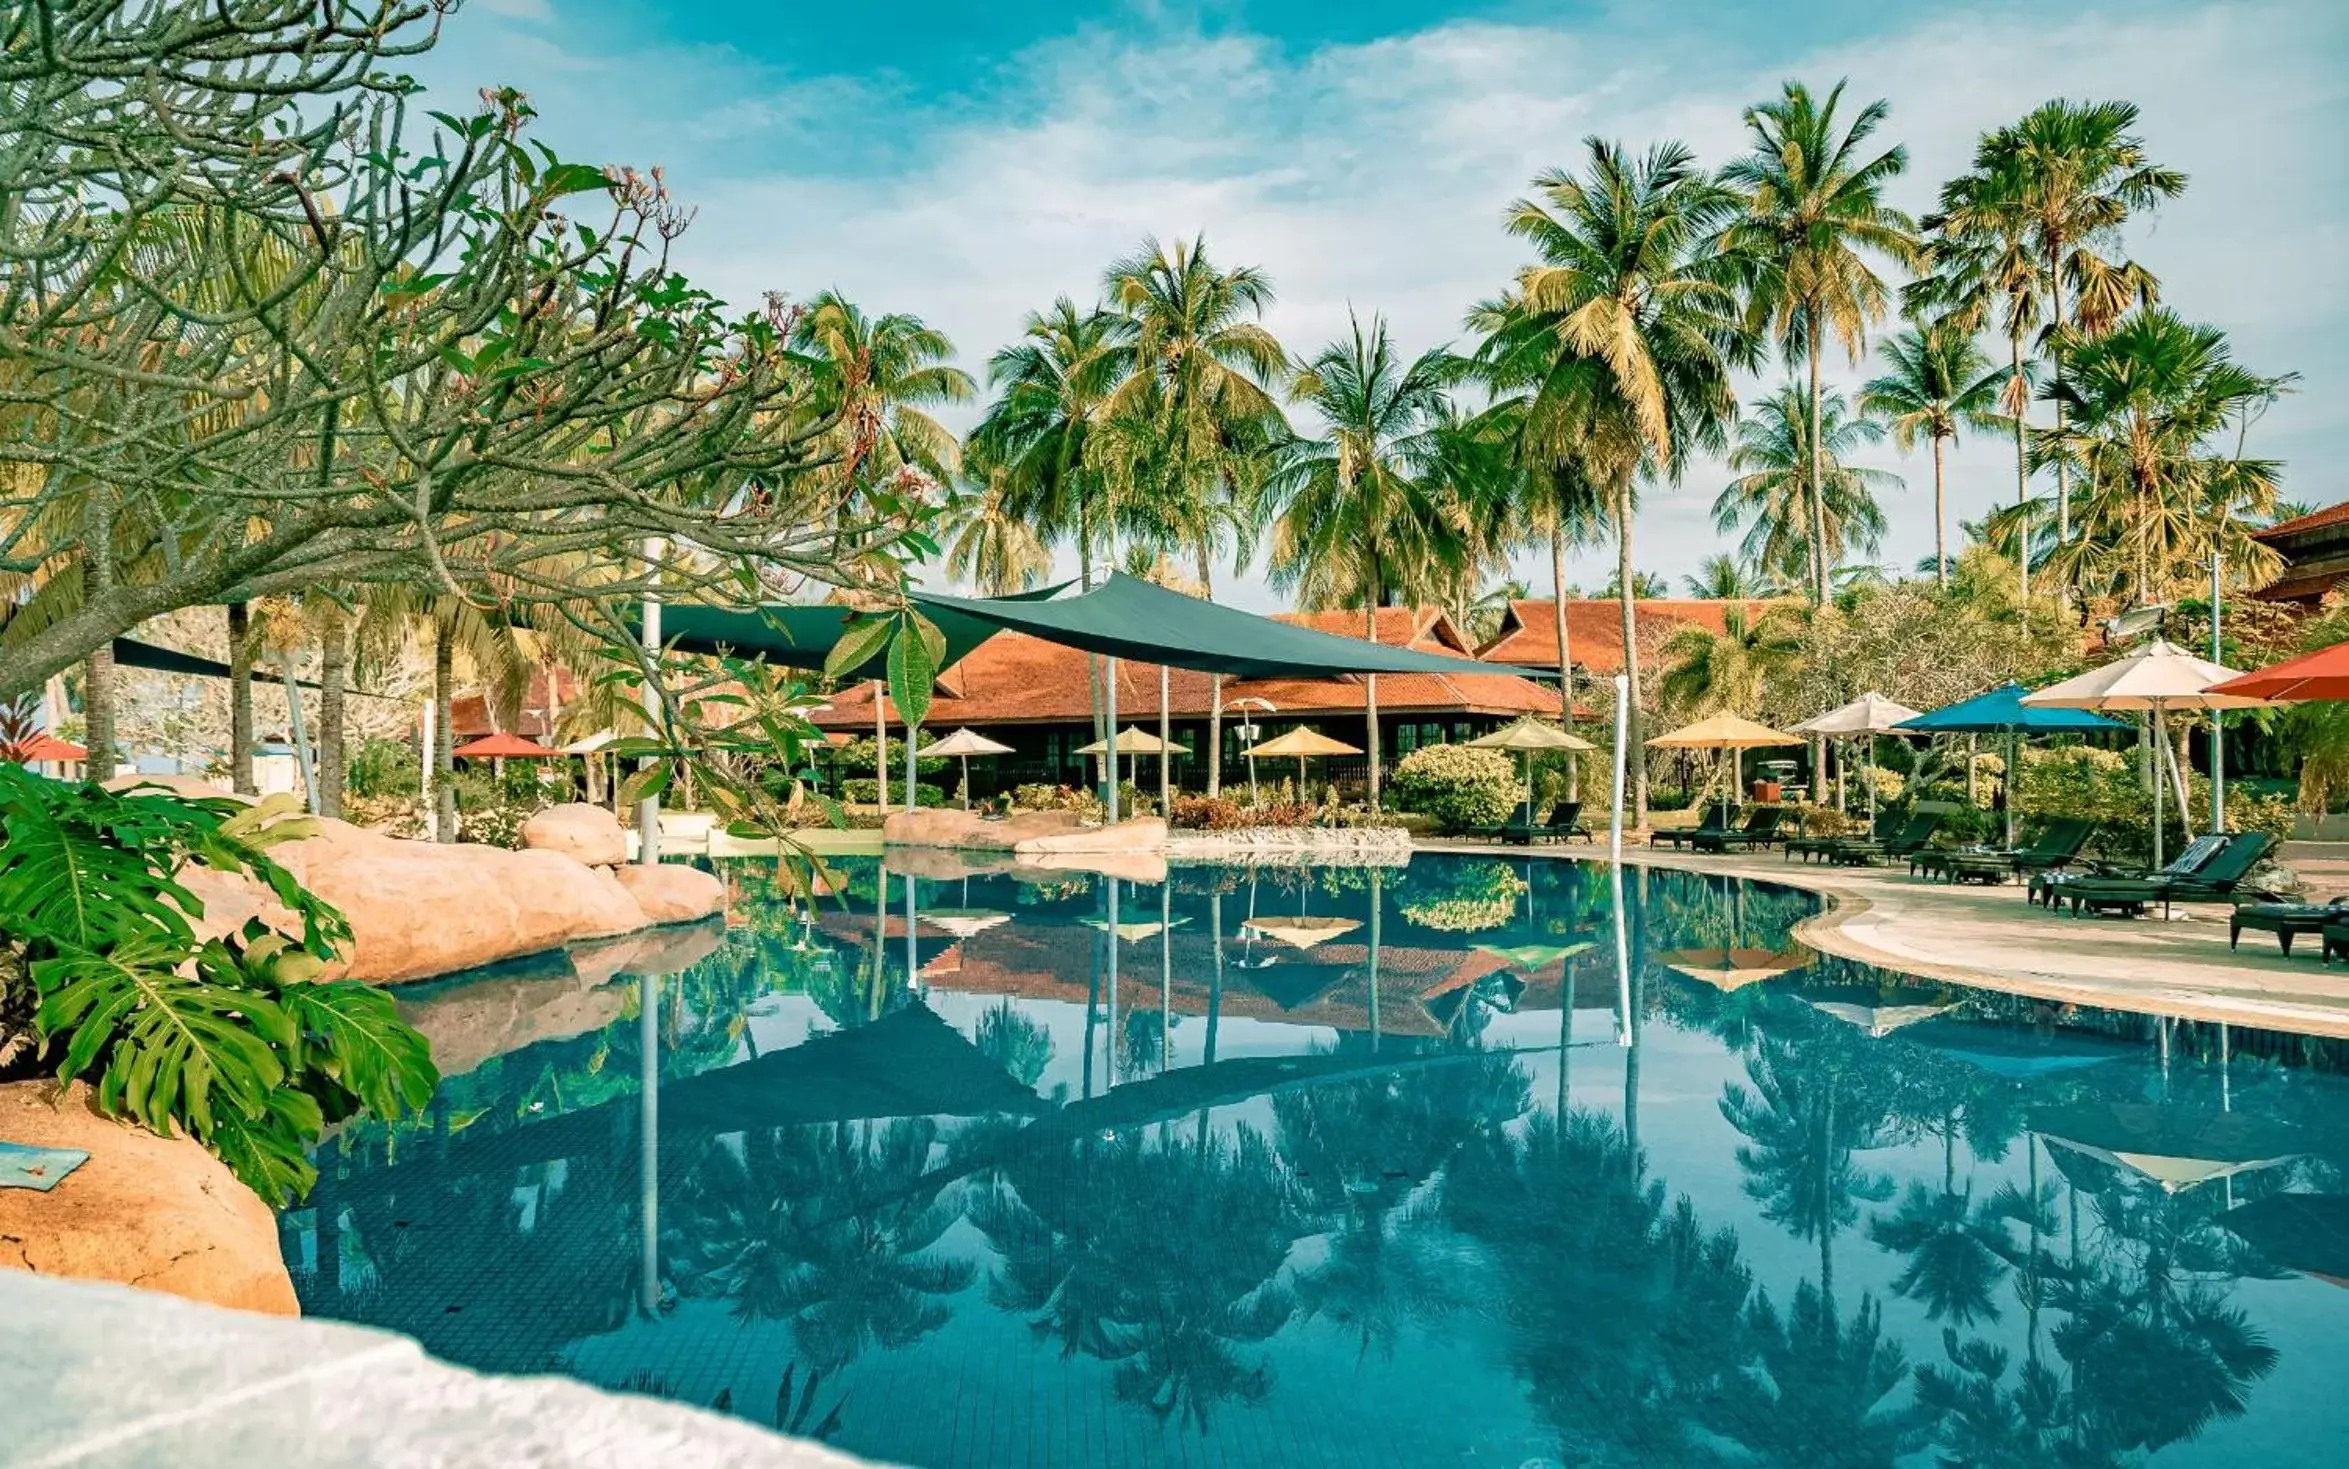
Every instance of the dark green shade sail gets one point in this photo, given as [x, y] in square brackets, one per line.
[796, 636]
[1129, 618]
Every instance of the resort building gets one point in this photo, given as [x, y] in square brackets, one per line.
[2315, 549]
[1594, 630]
[1033, 696]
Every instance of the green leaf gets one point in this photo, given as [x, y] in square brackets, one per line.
[913, 671]
[352, 1033]
[863, 641]
[644, 785]
[572, 178]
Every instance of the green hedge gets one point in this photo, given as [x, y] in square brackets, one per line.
[1459, 787]
[868, 793]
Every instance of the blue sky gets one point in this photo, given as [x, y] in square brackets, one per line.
[969, 162]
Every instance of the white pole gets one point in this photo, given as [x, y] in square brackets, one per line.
[2218, 720]
[431, 811]
[648, 810]
[308, 762]
[881, 745]
[2160, 743]
[1109, 804]
[648, 1150]
[1165, 744]
[1615, 856]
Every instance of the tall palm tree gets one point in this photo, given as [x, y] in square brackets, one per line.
[872, 377]
[1708, 672]
[2151, 414]
[2081, 171]
[990, 545]
[1365, 515]
[1784, 480]
[1816, 212]
[1621, 337]
[1191, 428]
[1721, 577]
[1937, 380]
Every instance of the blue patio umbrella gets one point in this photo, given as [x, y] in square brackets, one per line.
[2002, 711]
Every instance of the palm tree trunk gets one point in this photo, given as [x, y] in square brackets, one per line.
[334, 663]
[240, 700]
[1565, 648]
[1818, 495]
[98, 710]
[1634, 758]
[1940, 518]
[2022, 469]
[1370, 693]
[444, 791]
[1215, 692]
[2055, 356]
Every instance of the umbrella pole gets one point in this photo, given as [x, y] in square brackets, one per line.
[1109, 802]
[2159, 741]
[1615, 854]
[966, 782]
[1165, 746]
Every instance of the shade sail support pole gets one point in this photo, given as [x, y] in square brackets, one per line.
[881, 746]
[1615, 856]
[2218, 720]
[1109, 796]
[648, 810]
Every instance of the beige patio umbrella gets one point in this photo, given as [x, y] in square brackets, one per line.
[2155, 679]
[1878, 1010]
[1303, 931]
[1723, 732]
[1135, 742]
[1302, 742]
[1726, 968]
[2173, 1147]
[1869, 715]
[963, 744]
[1526, 735]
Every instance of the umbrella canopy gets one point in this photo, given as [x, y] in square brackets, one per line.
[45, 746]
[2002, 709]
[591, 744]
[504, 747]
[1877, 1009]
[1133, 933]
[2157, 676]
[2323, 674]
[2173, 1147]
[1301, 932]
[1724, 732]
[1130, 741]
[1301, 743]
[1870, 713]
[963, 923]
[1726, 968]
[1528, 733]
[2012, 1051]
[967, 742]
[2308, 1233]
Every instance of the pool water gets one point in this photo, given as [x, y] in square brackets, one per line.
[1356, 1166]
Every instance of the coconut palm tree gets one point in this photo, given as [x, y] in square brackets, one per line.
[1816, 212]
[872, 377]
[990, 545]
[2081, 171]
[1366, 516]
[1721, 577]
[1707, 672]
[1937, 380]
[1784, 481]
[1049, 390]
[1621, 337]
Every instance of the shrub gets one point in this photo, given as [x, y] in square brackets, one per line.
[233, 1041]
[2101, 785]
[1207, 813]
[1462, 897]
[1459, 787]
[858, 755]
[868, 793]
[1039, 797]
[383, 768]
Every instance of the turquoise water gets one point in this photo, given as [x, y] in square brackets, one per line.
[1357, 1167]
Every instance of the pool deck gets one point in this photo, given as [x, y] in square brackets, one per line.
[1990, 938]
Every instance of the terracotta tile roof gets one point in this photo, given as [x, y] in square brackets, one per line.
[1594, 629]
[469, 713]
[2331, 515]
[1013, 678]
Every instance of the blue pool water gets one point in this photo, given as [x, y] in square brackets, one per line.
[1349, 1166]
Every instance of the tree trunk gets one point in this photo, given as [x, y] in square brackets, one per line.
[98, 710]
[444, 792]
[1634, 757]
[334, 664]
[1370, 699]
[2055, 357]
[240, 700]
[1565, 647]
[2022, 471]
[1818, 473]
[1940, 519]
[1215, 691]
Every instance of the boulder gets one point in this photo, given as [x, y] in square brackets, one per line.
[1136, 834]
[669, 893]
[469, 1023]
[584, 833]
[144, 1210]
[935, 827]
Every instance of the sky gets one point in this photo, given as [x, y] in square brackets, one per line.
[968, 163]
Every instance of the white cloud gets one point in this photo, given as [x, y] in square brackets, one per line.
[1374, 175]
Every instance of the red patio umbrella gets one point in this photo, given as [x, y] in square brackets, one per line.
[43, 746]
[505, 747]
[2323, 674]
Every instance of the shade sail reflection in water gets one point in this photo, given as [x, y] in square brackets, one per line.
[1352, 1166]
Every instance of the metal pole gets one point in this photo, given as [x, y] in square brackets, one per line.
[424, 789]
[1109, 800]
[1109, 1031]
[309, 762]
[648, 1151]
[2160, 747]
[913, 957]
[1615, 855]
[881, 745]
[1165, 744]
[2218, 720]
[913, 789]
[648, 810]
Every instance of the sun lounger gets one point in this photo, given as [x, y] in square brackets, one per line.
[2217, 876]
[1923, 822]
[1565, 823]
[2056, 846]
[2287, 921]
[1517, 830]
[1760, 829]
[1807, 846]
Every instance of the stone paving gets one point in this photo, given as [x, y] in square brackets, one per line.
[1991, 938]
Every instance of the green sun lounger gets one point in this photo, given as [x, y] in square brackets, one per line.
[1566, 823]
[1922, 823]
[2287, 921]
[2056, 847]
[2219, 876]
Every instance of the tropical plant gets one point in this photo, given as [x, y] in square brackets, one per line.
[232, 1040]
[870, 378]
[1620, 339]
[1462, 788]
[1722, 577]
[1797, 502]
[1815, 212]
[1707, 672]
[1936, 381]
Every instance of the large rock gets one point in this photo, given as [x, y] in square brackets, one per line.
[1137, 834]
[669, 893]
[419, 909]
[144, 1210]
[967, 829]
[585, 833]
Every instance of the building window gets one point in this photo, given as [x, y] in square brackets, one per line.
[1406, 738]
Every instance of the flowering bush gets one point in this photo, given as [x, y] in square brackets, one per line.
[1463, 897]
[1459, 787]
[1207, 813]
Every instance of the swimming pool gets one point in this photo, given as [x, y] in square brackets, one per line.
[1357, 1166]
